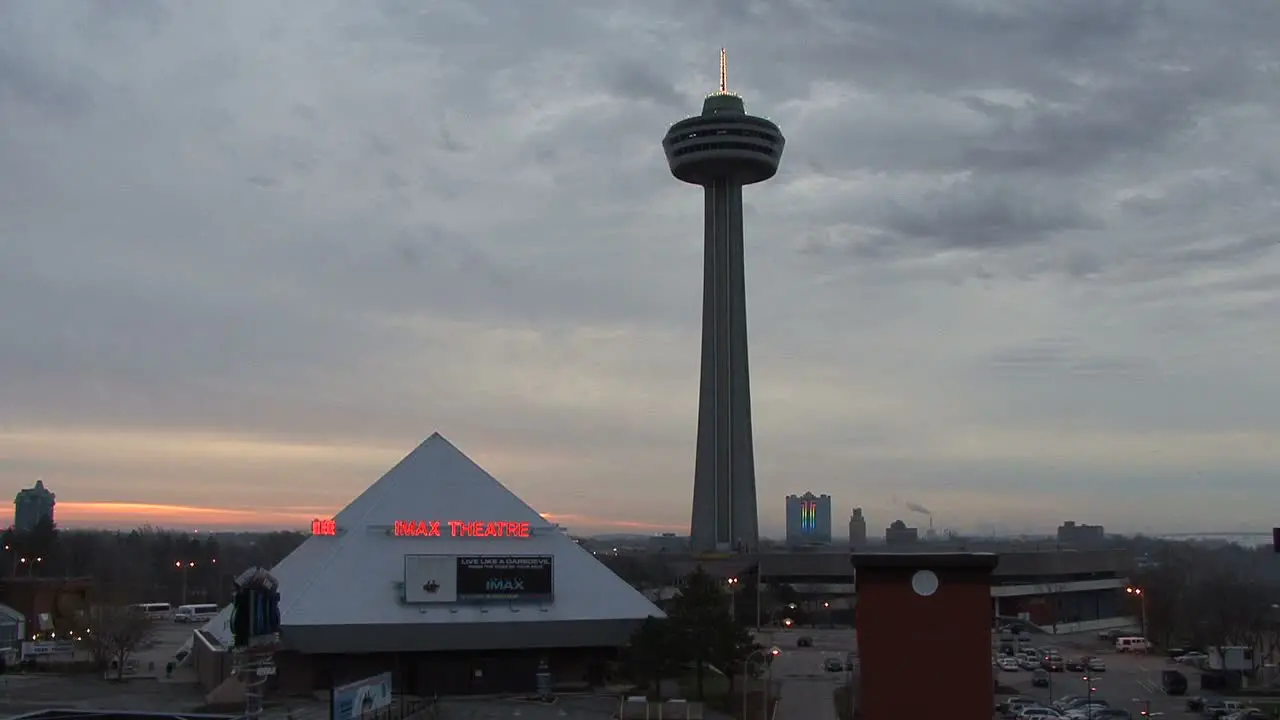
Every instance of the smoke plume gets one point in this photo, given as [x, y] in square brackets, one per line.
[918, 508]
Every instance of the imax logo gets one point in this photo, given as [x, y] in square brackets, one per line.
[502, 585]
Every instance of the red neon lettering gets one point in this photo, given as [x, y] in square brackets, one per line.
[324, 527]
[416, 528]
[459, 528]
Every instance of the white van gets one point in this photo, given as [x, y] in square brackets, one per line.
[154, 611]
[194, 613]
[1132, 644]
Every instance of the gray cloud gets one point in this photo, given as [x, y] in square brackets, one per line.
[986, 217]
[1009, 240]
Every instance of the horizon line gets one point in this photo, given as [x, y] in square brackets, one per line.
[116, 515]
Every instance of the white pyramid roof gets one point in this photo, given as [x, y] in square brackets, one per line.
[354, 578]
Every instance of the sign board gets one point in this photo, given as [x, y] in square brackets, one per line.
[505, 577]
[434, 579]
[354, 701]
[48, 649]
[430, 579]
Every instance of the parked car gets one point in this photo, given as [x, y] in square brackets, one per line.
[1003, 706]
[1087, 711]
[1217, 708]
[1072, 703]
[1015, 705]
[1174, 683]
[1095, 664]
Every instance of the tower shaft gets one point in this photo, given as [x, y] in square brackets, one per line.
[724, 487]
[722, 150]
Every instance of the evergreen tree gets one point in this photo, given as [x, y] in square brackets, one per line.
[705, 631]
[653, 653]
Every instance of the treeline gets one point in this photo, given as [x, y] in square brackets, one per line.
[146, 564]
[1197, 595]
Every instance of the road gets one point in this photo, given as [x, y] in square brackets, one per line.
[808, 688]
[1130, 682]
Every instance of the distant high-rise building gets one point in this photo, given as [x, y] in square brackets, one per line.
[899, 534]
[857, 529]
[1069, 533]
[32, 505]
[808, 519]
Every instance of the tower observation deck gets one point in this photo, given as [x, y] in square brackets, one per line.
[722, 150]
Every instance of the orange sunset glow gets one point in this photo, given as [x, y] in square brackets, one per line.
[116, 515]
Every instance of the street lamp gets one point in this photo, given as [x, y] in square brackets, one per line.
[733, 597]
[766, 655]
[1089, 691]
[184, 566]
[30, 564]
[1142, 604]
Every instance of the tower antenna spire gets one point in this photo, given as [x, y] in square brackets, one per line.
[724, 73]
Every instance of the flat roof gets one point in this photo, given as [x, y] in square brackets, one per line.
[946, 560]
[835, 566]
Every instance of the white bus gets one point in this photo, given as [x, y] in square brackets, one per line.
[154, 611]
[194, 613]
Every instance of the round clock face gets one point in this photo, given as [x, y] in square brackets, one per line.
[924, 583]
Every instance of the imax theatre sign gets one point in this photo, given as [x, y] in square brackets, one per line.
[439, 528]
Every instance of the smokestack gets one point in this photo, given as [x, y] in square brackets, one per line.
[908, 601]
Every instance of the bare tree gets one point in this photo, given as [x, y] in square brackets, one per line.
[1273, 633]
[112, 634]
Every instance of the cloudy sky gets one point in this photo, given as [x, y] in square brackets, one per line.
[1020, 264]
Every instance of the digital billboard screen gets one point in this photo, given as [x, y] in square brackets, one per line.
[505, 577]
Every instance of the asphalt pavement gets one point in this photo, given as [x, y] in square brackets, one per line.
[1130, 682]
[807, 687]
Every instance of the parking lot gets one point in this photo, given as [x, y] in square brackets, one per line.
[1130, 681]
[24, 693]
[808, 687]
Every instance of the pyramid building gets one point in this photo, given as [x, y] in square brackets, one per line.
[441, 575]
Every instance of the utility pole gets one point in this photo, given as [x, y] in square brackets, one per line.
[183, 567]
[1142, 604]
[759, 593]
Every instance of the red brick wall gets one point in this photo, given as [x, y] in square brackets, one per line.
[898, 630]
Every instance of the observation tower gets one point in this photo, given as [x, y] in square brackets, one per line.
[722, 150]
